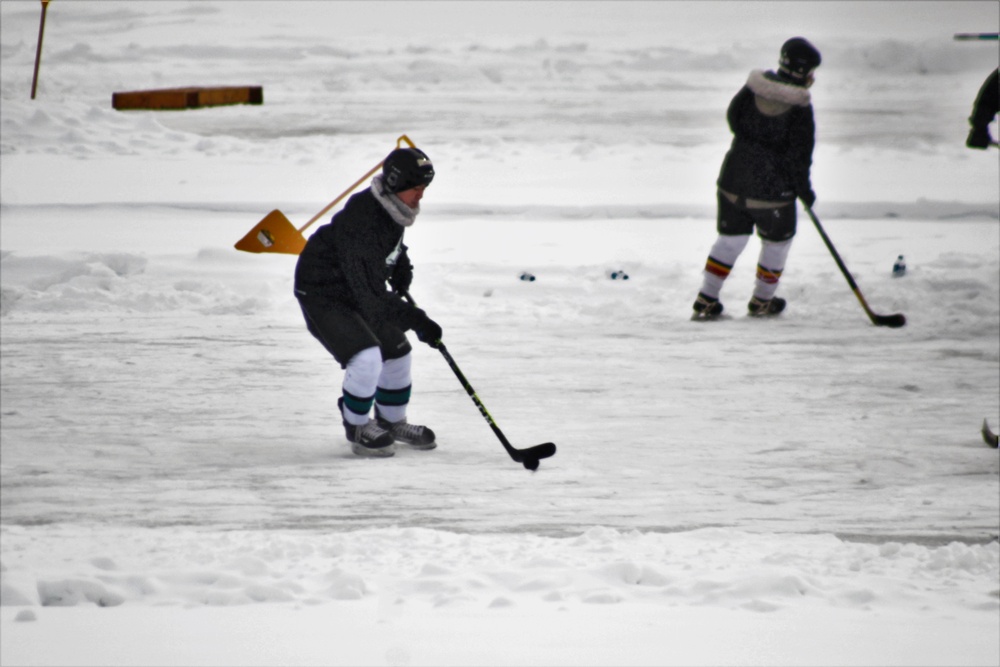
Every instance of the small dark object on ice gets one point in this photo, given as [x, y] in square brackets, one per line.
[531, 463]
[989, 436]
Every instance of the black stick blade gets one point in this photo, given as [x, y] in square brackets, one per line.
[533, 454]
[989, 436]
[891, 321]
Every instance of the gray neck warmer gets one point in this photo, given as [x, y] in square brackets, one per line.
[400, 212]
[773, 89]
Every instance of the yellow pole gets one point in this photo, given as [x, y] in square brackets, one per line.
[38, 51]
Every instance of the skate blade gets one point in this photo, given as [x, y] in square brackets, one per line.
[373, 452]
[416, 445]
[698, 317]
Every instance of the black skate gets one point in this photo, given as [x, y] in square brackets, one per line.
[368, 439]
[414, 435]
[761, 308]
[706, 307]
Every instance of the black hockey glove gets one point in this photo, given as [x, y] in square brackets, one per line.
[402, 275]
[427, 330]
[808, 197]
[979, 137]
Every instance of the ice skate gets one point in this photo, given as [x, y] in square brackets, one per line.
[706, 308]
[761, 308]
[414, 435]
[368, 439]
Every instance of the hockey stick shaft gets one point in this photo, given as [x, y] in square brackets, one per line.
[475, 399]
[893, 321]
[535, 453]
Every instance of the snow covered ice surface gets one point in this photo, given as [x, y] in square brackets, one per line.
[811, 489]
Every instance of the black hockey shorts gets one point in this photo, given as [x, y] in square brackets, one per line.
[773, 224]
[344, 333]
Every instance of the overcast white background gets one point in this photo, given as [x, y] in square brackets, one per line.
[174, 481]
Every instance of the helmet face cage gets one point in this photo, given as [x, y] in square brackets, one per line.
[406, 168]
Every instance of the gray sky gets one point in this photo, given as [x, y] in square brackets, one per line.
[652, 21]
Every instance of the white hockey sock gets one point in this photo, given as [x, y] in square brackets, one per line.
[770, 265]
[721, 259]
[393, 392]
[360, 381]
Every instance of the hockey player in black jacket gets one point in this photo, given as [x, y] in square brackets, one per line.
[340, 282]
[984, 111]
[766, 169]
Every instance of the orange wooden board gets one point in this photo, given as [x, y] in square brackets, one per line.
[187, 98]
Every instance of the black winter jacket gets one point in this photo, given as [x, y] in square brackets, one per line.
[347, 261]
[774, 134]
[987, 103]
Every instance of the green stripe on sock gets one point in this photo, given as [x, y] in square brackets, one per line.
[393, 396]
[359, 406]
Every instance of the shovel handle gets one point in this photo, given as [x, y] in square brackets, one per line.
[358, 182]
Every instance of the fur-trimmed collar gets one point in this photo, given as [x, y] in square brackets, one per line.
[769, 88]
[394, 206]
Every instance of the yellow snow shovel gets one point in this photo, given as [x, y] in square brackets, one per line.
[276, 233]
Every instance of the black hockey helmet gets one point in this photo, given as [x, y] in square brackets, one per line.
[798, 58]
[406, 168]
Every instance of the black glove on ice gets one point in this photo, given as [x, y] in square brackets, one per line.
[427, 330]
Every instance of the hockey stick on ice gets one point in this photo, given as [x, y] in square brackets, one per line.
[989, 436]
[529, 456]
[892, 321]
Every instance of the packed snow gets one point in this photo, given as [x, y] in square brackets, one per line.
[811, 489]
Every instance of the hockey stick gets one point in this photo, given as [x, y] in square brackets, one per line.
[529, 456]
[892, 321]
[989, 436]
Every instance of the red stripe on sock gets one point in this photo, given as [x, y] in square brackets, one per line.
[768, 276]
[717, 269]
